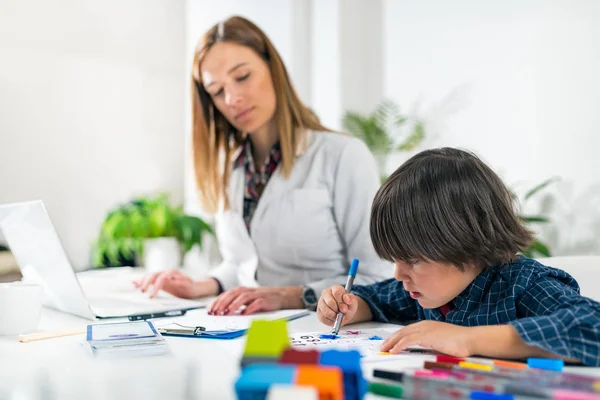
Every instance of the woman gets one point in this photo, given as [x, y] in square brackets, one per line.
[291, 198]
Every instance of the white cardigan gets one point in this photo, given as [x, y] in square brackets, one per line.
[306, 229]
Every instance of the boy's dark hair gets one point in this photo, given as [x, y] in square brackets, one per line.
[446, 205]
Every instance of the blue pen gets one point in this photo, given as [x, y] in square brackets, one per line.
[349, 282]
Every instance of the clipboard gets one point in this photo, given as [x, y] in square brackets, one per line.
[199, 332]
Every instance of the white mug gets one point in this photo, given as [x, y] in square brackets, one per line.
[20, 307]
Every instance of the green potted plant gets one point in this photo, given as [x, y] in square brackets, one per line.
[383, 131]
[149, 231]
[537, 248]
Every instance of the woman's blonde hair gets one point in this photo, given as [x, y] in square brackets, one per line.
[215, 139]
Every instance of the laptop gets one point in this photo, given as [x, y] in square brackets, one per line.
[35, 244]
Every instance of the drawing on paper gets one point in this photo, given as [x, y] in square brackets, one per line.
[366, 341]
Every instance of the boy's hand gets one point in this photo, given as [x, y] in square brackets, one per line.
[445, 338]
[333, 300]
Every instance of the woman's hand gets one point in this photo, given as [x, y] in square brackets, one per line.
[176, 283]
[450, 339]
[257, 300]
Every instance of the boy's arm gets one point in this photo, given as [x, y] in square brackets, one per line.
[559, 320]
[503, 341]
[385, 300]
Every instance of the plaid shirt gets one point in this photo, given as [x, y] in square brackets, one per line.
[253, 178]
[542, 303]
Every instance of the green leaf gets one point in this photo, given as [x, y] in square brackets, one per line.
[140, 226]
[373, 128]
[539, 187]
[539, 248]
[113, 226]
[386, 112]
[138, 246]
[369, 129]
[414, 139]
[192, 230]
[400, 121]
[126, 248]
[197, 239]
[159, 220]
[535, 219]
[112, 252]
[187, 235]
[206, 227]
[98, 251]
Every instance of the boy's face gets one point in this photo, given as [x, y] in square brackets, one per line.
[434, 284]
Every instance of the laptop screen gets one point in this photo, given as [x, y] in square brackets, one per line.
[36, 246]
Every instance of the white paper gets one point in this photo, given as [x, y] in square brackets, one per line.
[218, 323]
[366, 341]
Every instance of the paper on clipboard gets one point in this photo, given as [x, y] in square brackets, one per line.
[220, 327]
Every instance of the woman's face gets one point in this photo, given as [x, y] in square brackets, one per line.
[240, 84]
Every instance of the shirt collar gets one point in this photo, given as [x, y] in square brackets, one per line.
[245, 159]
[474, 291]
[477, 289]
[308, 140]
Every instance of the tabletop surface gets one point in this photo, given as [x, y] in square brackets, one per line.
[194, 368]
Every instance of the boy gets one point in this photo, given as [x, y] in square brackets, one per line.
[447, 222]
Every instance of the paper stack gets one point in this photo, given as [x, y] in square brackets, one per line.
[138, 338]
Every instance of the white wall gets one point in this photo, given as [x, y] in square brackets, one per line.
[346, 58]
[92, 107]
[516, 81]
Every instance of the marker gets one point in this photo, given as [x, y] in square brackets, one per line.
[176, 313]
[427, 389]
[420, 392]
[497, 396]
[538, 368]
[443, 378]
[520, 381]
[382, 389]
[349, 282]
[549, 364]
[442, 358]
[480, 380]
[515, 370]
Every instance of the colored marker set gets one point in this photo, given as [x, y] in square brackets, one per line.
[455, 378]
[269, 362]
[546, 373]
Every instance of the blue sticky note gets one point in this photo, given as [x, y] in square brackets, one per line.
[549, 364]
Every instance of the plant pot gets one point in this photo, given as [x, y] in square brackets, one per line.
[161, 254]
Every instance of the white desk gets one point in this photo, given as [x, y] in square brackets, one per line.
[196, 368]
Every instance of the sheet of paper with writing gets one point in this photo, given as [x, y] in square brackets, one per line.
[366, 341]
